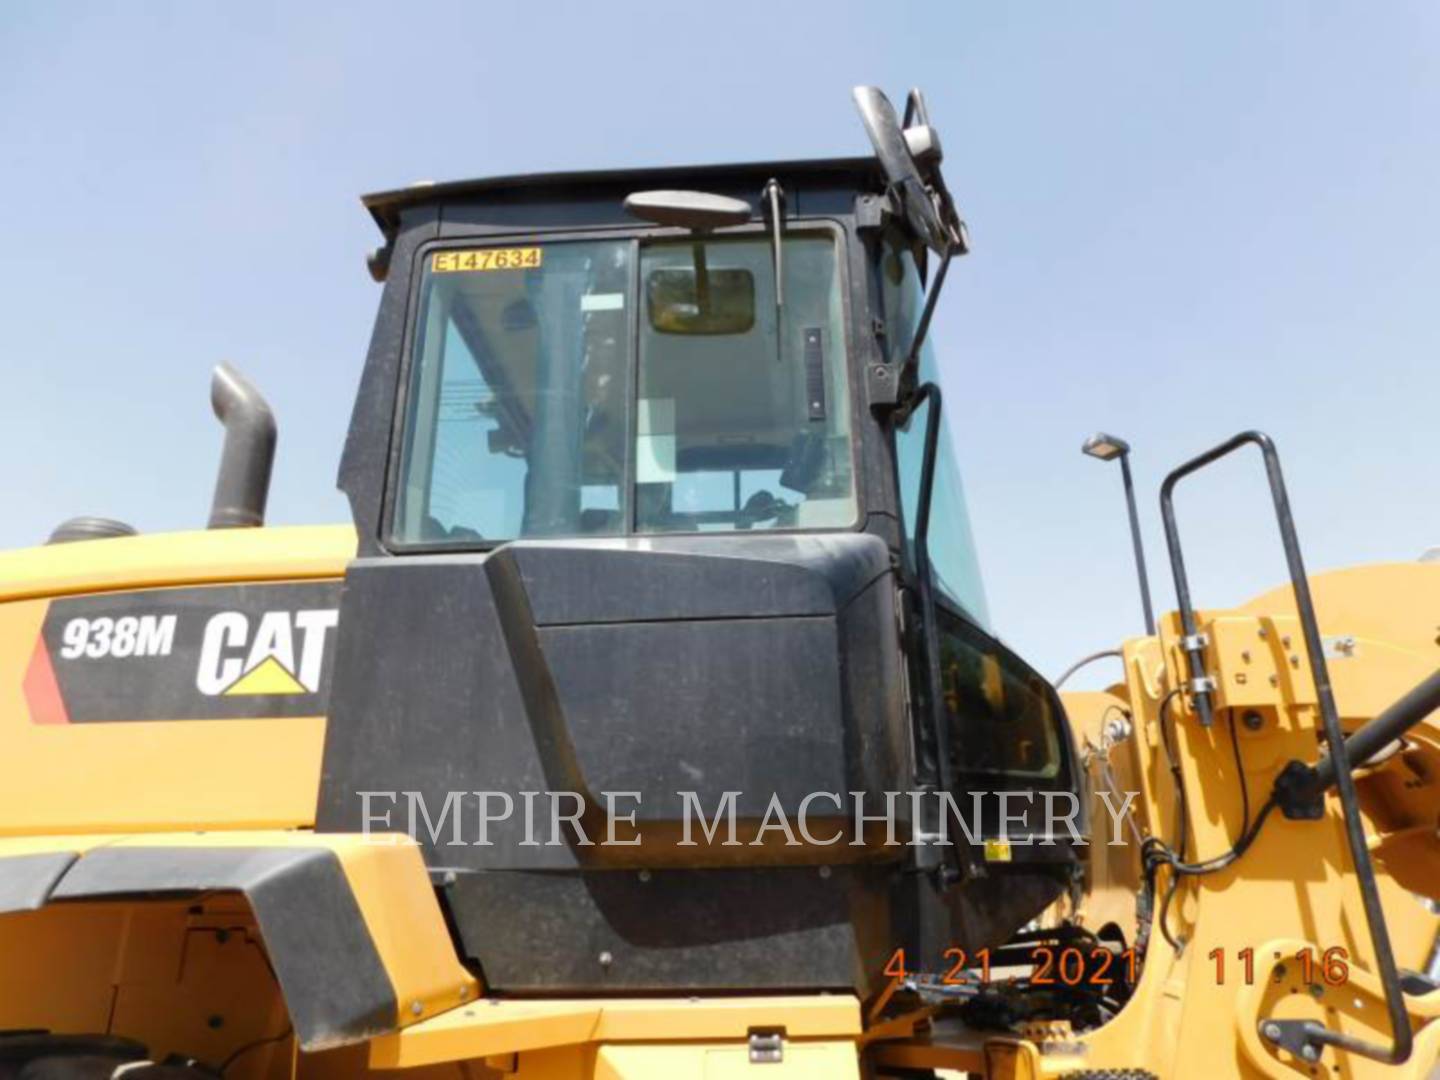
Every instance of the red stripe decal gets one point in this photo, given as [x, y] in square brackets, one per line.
[42, 692]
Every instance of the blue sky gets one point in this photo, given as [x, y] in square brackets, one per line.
[1186, 221]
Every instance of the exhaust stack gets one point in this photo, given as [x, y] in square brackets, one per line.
[243, 484]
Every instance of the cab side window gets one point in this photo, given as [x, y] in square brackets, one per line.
[1005, 719]
[951, 544]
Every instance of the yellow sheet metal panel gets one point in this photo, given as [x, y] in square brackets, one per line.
[801, 1061]
[815, 1015]
[1381, 626]
[37, 845]
[949, 1056]
[390, 884]
[183, 988]
[496, 1026]
[133, 724]
[212, 555]
[143, 775]
[1257, 662]
[1394, 602]
[492, 1026]
[58, 967]
[165, 972]
[393, 889]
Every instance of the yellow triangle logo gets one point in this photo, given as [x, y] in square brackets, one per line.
[267, 677]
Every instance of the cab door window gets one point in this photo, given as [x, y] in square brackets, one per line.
[743, 417]
[950, 542]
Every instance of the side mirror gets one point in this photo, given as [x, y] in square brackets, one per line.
[687, 209]
[898, 149]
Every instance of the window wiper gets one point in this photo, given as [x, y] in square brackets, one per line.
[773, 198]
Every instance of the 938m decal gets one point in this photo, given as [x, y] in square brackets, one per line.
[209, 653]
[129, 635]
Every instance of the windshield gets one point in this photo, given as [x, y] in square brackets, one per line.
[517, 403]
[564, 390]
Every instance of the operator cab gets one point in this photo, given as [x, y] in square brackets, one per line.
[655, 496]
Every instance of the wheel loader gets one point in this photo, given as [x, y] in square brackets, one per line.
[647, 718]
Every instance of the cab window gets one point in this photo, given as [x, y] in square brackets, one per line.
[1005, 719]
[950, 542]
[536, 408]
[517, 413]
[743, 418]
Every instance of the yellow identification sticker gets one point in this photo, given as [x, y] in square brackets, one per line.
[997, 850]
[459, 262]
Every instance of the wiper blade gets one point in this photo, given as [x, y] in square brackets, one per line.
[773, 197]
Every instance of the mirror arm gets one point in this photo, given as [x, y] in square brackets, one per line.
[888, 386]
[702, 276]
[912, 359]
[915, 109]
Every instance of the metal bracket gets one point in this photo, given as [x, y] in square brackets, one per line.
[377, 261]
[1339, 648]
[1192, 642]
[1116, 731]
[1204, 684]
[882, 387]
[767, 1046]
[872, 211]
[1296, 1036]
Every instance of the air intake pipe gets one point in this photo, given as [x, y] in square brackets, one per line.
[243, 484]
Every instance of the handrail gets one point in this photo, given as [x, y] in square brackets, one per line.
[1201, 688]
[970, 866]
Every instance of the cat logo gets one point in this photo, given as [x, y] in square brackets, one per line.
[283, 655]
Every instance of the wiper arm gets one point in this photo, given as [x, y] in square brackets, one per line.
[773, 197]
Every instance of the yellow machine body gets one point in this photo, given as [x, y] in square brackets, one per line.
[193, 974]
[1256, 937]
[137, 774]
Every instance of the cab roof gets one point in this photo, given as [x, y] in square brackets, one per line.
[386, 206]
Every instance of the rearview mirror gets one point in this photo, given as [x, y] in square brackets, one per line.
[687, 209]
[897, 159]
[681, 301]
